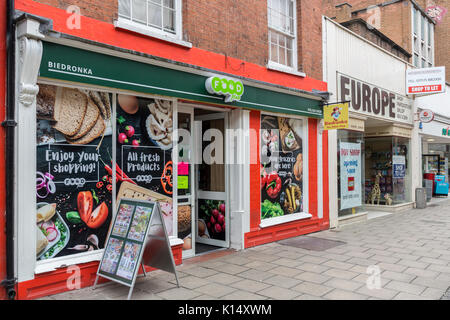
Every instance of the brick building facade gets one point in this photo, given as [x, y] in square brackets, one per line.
[394, 20]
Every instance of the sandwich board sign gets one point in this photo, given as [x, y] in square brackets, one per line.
[137, 237]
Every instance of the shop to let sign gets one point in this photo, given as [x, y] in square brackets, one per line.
[335, 116]
[425, 80]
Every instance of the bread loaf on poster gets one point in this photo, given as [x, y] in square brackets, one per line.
[92, 114]
[46, 212]
[70, 110]
[94, 133]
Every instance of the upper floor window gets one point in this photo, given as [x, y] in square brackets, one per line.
[282, 33]
[423, 40]
[161, 16]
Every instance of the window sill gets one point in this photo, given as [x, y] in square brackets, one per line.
[280, 68]
[130, 26]
[284, 219]
[85, 257]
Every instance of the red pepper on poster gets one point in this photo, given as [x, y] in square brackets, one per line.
[273, 185]
[263, 177]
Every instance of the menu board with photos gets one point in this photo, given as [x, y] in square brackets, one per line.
[122, 256]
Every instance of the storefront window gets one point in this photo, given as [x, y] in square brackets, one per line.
[73, 184]
[281, 166]
[387, 171]
[79, 166]
[350, 172]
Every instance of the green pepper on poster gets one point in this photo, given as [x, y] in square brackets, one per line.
[183, 182]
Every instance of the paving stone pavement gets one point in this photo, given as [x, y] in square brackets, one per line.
[401, 256]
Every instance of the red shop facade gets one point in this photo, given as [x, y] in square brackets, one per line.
[133, 95]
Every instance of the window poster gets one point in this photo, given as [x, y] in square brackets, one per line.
[144, 148]
[281, 166]
[399, 166]
[350, 175]
[73, 173]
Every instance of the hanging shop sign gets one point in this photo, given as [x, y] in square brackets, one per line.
[232, 89]
[425, 80]
[426, 116]
[371, 100]
[335, 116]
[350, 167]
[82, 66]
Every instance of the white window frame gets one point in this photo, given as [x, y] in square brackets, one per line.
[278, 66]
[176, 38]
[269, 222]
[425, 55]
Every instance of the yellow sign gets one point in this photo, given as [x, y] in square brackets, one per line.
[335, 116]
[183, 182]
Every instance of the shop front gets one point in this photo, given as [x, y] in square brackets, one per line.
[435, 138]
[107, 124]
[376, 156]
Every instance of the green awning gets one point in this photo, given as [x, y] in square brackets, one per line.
[72, 64]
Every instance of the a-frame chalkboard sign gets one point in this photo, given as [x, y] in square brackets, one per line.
[137, 237]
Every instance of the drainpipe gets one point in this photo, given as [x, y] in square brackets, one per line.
[10, 282]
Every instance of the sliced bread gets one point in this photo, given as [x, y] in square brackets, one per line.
[94, 133]
[96, 97]
[92, 114]
[70, 110]
[107, 103]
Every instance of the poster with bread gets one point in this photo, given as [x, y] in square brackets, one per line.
[73, 170]
[281, 157]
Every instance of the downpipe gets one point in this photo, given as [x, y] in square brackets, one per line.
[10, 126]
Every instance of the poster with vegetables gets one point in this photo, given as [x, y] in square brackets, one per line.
[211, 219]
[144, 147]
[281, 166]
[73, 176]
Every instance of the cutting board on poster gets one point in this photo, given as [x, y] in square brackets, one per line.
[131, 191]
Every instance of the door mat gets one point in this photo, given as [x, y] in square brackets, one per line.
[311, 243]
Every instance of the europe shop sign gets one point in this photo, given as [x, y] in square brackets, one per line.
[350, 167]
[371, 100]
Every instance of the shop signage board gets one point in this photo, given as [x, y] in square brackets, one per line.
[371, 100]
[425, 80]
[398, 166]
[350, 167]
[232, 89]
[137, 237]
[426, 116]
[82, 66]
[335, 116]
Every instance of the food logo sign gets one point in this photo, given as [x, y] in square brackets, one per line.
[230, 88]
[335, 116]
